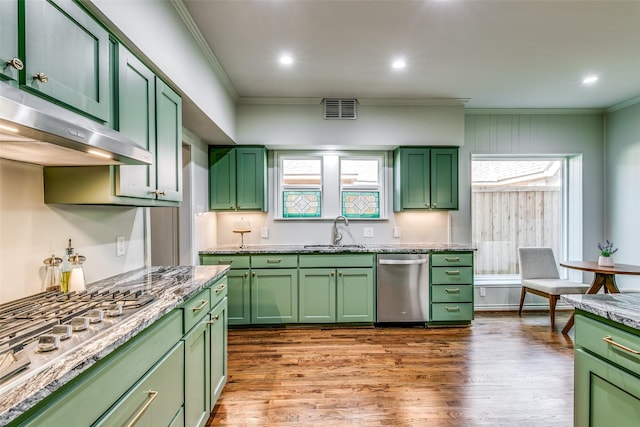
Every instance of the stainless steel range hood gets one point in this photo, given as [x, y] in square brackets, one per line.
[36, 131]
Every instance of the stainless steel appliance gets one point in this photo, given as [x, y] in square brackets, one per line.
[37, 330]
[402, 288]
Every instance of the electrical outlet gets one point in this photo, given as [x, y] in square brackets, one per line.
[483, 292]
[264, 232]
[367, 232]
[396, 232]
[120, 248]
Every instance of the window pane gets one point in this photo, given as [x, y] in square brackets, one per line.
[361, 204]
[359, 172]
[515, 203]
[301, 171]
[301, 204]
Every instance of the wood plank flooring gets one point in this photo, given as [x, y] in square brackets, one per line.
[502, 371]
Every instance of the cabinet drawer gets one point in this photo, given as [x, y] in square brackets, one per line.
[448, 293]
[195, 309]
[451, 259]
[337, 261]
[156, 398]
[451, 312]
[455, 275]
[218, 291]
[274, 261]
[235, 261]
[590, 335]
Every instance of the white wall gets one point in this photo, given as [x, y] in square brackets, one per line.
[31, 231]
[623, 189]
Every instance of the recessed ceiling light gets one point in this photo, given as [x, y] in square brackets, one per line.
[398, 64]
[589, 80]
[286, 59]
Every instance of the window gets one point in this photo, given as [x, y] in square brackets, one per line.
[516, 202]
[325, 185]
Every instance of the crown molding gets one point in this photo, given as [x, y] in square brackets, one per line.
[624, 104]
[278, 101]
[529, 111]
[204, 46]
[361, 101]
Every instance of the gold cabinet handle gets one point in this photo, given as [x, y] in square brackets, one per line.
[41, 77]
[232, 206]
[434, 205]
[340, 273]
[203, 304]
[221, 288]
[456, 308]
[159, 193]
[452, 259]
[274, 260]
[452, 290]
[609, 340]
[452, 272]
[214, 320]
[239, 205]
[151, 396]
[253, 274]
[246, 274]
[332, 274]
[225, 261]
[15, 63]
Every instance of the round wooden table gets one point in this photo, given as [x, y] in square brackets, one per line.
[603, 277]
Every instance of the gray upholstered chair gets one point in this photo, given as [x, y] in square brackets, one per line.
[539, 274]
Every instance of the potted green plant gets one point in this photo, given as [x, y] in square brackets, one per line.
[606, 251]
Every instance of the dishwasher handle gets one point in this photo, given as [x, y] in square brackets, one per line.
[402, 261]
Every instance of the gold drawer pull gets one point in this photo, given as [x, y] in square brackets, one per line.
[610, 341]
[452, 259]
[273, 260]
[452, 290]
[203, 302]
[225, 261]
[456, 308]
[151, 396]
[452, 272]
[221, 288]
[214, 320]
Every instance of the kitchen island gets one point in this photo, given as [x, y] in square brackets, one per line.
[607, 359]
[172, 287]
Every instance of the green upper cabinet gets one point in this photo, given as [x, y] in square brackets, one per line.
[425, 178]
[66, 56]
[150, 113]
[237, 178]
[10, 62]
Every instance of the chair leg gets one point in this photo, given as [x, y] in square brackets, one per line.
[553, 300]
[522, 294]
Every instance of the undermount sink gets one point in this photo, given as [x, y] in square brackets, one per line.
[332, 246]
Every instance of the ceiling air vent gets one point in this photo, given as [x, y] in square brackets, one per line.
[335, 108]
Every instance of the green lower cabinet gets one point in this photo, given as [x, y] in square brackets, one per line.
[274, 295]
[239, 294]
[451, 288]
[196, 372]
[218, 351]
[156, 399]
[355, 295]
[317, 295]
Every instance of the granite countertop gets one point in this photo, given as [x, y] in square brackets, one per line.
[621, 308]
[331, 249]
[171, 286]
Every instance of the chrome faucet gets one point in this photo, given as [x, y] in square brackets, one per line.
[336, 237]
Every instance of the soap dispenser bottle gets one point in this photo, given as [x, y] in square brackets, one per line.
[66, 268]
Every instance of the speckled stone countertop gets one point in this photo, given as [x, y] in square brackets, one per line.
[171, 285]
[621, 308]
[331, 249]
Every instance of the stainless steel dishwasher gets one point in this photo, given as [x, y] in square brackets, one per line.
[402, 288]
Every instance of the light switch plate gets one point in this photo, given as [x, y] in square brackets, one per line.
[264, 232]
[396, 232]
[120, 248]
[367, 232]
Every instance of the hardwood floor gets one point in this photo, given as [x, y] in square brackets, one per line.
[502, 371]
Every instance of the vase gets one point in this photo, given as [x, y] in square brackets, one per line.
[606, 261]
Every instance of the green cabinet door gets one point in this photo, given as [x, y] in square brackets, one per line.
[250, 178]
[444, 178]
[412, 167]
[237, 178]
[222, 179]
[218, 351]
[239, 293]
[604, 394]
[274, 295]
[66, 56]
[317, 295]
[196, 374]
[168, 143]
[136, 112]
[9, 40]
[355, 295]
